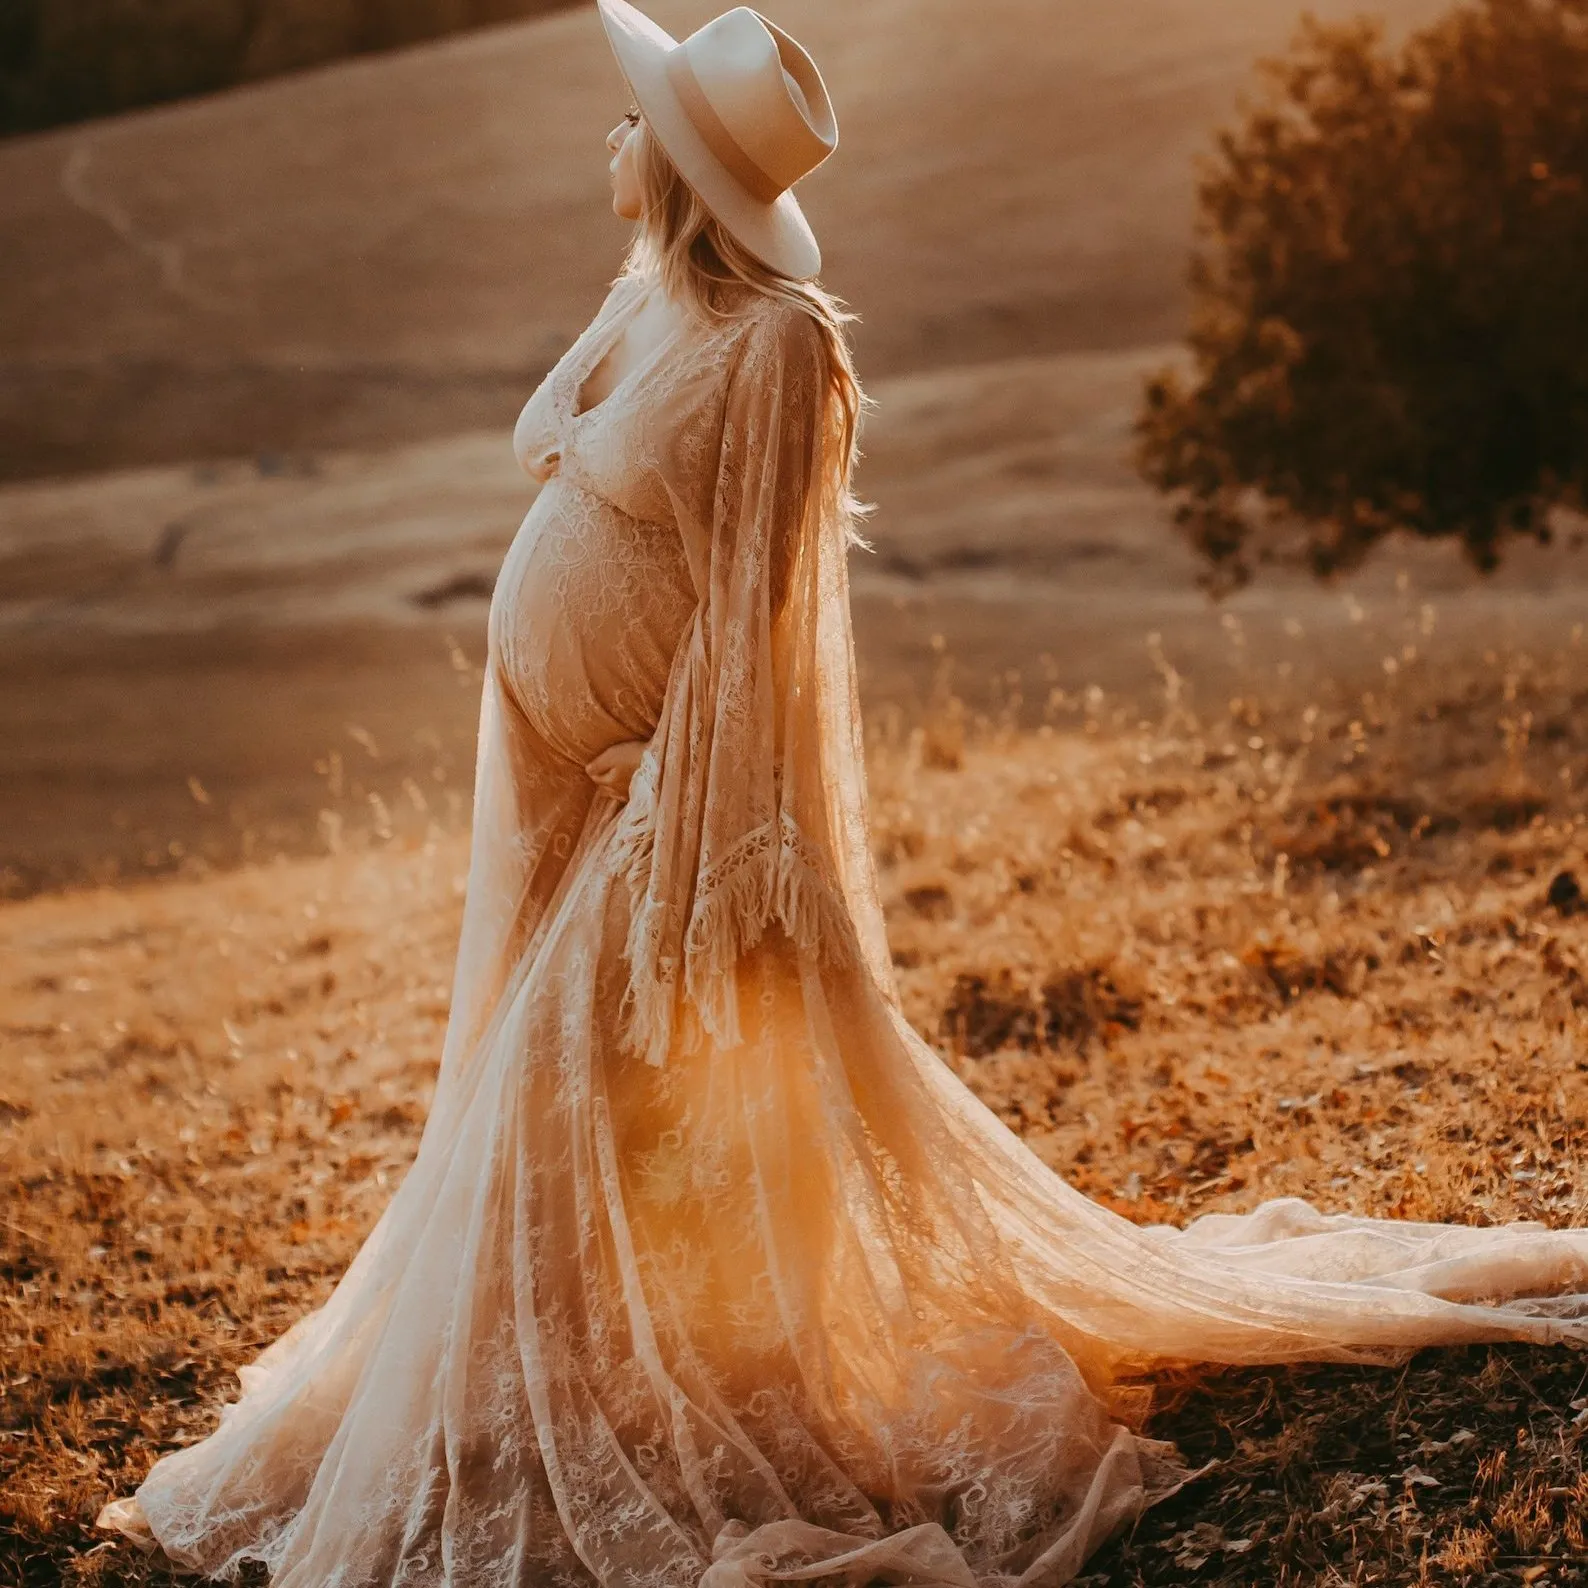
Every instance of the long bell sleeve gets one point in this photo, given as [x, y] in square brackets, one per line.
[729, 823]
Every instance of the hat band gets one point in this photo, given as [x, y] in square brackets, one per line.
[714, 130]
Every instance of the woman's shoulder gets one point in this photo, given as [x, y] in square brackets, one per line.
[768, 329]
[771, 314]
[741, 342]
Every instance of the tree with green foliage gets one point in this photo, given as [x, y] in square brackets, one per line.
[1389, 297]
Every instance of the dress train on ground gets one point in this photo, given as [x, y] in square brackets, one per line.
[708, 1271]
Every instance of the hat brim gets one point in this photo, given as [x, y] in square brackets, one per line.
[777, 233]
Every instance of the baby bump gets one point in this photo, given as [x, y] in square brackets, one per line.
[588, 613]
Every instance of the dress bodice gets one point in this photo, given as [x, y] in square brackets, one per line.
[610, 448]
[597, 590]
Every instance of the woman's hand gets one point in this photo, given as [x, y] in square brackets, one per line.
[542, 468]
[615, 767]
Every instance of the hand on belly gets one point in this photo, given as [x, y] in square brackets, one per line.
[541, 469]
[615, 767]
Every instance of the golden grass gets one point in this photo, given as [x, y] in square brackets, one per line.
[1198, 959]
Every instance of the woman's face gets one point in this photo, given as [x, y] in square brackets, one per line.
[626, 200]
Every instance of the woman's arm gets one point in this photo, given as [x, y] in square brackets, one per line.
[729, 818]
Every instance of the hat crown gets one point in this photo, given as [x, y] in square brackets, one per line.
[744, 80]
[743, 114]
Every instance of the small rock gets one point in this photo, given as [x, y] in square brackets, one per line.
[169, 544]
[473, 586]
[931, 900]
[1565, 894]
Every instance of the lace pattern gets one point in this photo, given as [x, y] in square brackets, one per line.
[785, 1302]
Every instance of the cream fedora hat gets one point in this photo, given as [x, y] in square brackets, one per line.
[743, 113]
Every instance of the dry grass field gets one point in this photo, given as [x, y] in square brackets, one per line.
[1211, 905]
[1330, 944]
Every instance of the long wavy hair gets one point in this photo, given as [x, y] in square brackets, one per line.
[701, 267]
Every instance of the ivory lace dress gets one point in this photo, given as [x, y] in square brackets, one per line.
[708, 1271]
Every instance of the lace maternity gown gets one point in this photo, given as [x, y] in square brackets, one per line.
[708, 1271]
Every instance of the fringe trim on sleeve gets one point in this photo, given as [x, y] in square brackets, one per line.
[771, 876]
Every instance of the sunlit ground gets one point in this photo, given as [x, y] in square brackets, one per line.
[1198, 955]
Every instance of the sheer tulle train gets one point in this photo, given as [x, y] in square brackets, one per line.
[708, 1271]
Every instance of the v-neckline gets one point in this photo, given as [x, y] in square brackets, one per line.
[606, 344]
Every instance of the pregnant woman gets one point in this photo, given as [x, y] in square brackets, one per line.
[708, 1271]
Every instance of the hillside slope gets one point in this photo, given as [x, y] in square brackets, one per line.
[391, 248]
[233, 659]
[69, 60]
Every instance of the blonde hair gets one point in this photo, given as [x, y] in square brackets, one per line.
[702, 267]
